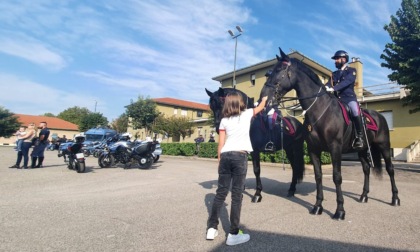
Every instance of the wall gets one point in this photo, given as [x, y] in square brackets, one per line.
[69, 134]
[201, 125]
[406, 126]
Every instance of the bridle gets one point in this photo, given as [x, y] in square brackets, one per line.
[280, 99]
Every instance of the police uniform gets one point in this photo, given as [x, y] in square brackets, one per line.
[343, 81]
[343, 84]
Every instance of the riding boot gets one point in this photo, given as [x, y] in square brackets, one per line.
[40, 159]
[358, 142]
[33, 162]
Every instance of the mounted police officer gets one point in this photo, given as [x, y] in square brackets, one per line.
[343, 81]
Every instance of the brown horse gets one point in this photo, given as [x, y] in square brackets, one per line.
[328, 129]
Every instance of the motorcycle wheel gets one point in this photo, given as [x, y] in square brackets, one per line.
[147, 162]
[81, 167]
[86, 153]
[105, 161]
[156, 158]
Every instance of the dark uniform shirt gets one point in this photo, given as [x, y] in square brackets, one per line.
[46, 133]
[343, 84]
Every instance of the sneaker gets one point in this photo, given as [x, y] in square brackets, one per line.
[211, 233]
[237, 239]
[14, 166]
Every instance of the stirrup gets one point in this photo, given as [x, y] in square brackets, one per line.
[269, 146]
[362, 144]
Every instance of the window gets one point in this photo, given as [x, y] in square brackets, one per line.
[252, 77]
[184, 112]
[175, 111]
[200, 113]
[389, 118]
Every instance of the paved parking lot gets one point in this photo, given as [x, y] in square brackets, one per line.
[166, 209]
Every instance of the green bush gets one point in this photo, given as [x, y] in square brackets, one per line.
[209, 150]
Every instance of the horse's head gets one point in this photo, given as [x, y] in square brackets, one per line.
[216, 103]
[279, 82]
[217, 100]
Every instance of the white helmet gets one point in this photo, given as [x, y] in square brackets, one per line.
[126, 134]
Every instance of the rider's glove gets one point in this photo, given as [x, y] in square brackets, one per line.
[329, 89]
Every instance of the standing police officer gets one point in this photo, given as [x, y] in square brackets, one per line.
[343, 81]
[38, 151]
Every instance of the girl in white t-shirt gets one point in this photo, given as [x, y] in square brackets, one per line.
[233, 149]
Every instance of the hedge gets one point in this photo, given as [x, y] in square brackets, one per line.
[209, 150]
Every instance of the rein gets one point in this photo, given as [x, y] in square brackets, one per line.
[310, 106]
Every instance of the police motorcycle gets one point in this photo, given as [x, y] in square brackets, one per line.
[73, 154]
[93, 148]
[158, 150]
[127, 152]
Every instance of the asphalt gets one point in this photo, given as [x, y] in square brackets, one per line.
[166, 208]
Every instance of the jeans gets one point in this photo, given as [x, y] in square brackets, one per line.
[232, 170]
[23, 153]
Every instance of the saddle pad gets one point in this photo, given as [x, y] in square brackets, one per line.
[370, 122]
[288, 126]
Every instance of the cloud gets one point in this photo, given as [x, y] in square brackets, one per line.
[31, 50]
[24, 96]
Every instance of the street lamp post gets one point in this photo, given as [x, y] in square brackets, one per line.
[236, 45]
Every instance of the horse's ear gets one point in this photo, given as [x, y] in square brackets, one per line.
[278, 58]
[209, 93]
[221, 92]
[284, 56]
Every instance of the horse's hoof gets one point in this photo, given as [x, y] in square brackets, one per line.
[363, 199]
[395, 202]
[290, 194]
[339, 215]
[256, 199]
[317, 210]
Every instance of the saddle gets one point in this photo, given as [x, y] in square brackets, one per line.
[370, 122]
[272, 120]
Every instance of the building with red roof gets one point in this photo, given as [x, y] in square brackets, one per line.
[198, 113]
[58, 127]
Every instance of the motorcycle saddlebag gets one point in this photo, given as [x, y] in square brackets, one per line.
[145, 147]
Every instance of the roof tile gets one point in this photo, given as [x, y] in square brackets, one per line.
[52, 122]
[181, 103]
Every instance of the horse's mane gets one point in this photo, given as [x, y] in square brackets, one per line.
[302, 67]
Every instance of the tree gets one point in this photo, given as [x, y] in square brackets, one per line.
[49, 114]
[173, 126]
[92, 120]
[121, 123]
[403, 55]
[142, 113]
[74, 115]
[9, 123]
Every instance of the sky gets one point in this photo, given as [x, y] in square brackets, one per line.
[103, 54]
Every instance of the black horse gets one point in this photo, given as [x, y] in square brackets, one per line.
[262, 138]
[329, 130]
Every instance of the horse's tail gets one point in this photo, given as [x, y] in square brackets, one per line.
[299, 158]
[299, 150]
[377, 164]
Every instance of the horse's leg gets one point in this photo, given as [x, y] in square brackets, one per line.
[257, 170]
[366, 171]
[316, 161]
[337, 178]
[390, 170]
